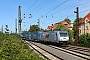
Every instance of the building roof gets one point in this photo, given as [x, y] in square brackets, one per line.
[62, 22]
[68, 25]
[49, 27]
[87, 16]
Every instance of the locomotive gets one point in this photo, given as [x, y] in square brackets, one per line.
[57, 37]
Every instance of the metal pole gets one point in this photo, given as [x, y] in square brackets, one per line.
[38, 23]
[16, 26]
[2, 28]
[19, 19]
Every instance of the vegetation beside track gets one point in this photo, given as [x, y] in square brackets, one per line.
[13, 48]
[84, 40]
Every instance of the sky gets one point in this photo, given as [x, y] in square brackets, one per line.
[47, 11]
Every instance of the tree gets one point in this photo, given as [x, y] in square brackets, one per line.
[60, 27]
[68, 20]
[34, 28]
[24, 31]
[42, 29]
[82, 40]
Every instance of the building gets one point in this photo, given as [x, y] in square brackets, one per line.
[84, 25]
[62, 22]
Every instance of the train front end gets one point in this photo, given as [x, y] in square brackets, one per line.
[64, 38]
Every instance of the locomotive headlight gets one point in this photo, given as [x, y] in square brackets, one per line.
[61, 39]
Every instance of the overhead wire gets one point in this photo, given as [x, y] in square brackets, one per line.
[32, 5]
[68, 15]
[73, 4]
[67, 7]
[70, 6]
[55, 8]
[30, 8]
[84, 11]
[41, 7]
[38, 5]
[80, 12]
[49, 4]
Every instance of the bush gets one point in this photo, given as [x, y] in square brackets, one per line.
[70, 33]
[12, 48]
[72, 42]
[84, 40]
[88, 39]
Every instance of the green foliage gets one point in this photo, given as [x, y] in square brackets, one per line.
[12, 48]
[68, 20]
[1, 36]
[42, 30]
[72, 42]
[34, 28]
[24, 31]
[85, 40]
[60, 27]
[70, 33]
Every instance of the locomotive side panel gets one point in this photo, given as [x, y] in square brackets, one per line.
[49, 37]
[35, 36]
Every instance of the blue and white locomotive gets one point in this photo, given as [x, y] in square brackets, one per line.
[57, 37]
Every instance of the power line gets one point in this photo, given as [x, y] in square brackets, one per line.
[70, 6]
[67, 8]
[38, 5]
[56, 7]
[71, 15]
[73, 4]
[42, 6]
[32, 5]
[83, 3]
[30, 8]
[68, 15]
[84, 11]
[64, 15]
[48, 4]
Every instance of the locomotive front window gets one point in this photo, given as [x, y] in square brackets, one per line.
[63, 34]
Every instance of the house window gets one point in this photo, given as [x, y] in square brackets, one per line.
[79, 31]
[86, 20]
[86, 27]
[65, 24]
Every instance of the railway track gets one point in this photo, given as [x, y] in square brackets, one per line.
[79, 52]
[44, 52]
[82, 53]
